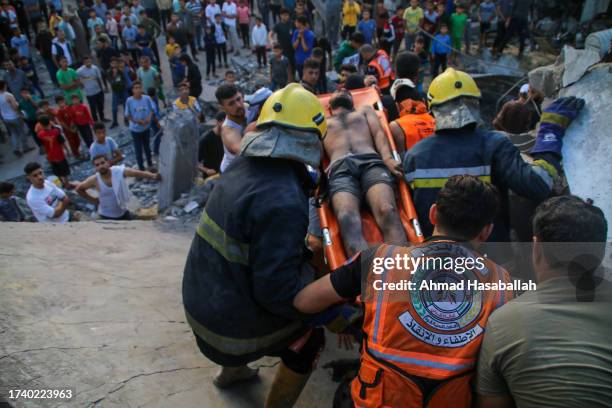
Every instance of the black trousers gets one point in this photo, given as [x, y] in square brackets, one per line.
[96, 106]
[439, 62]
[222, 51]
[260, 51]
[86, 134]
[210, 62]
[244, 33]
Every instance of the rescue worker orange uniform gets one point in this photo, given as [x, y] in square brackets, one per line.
[415, 121]
[380, 66]
[421, 344]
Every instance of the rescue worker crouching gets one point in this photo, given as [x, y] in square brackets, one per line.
[420, 345]
[414, 122]
[460, 147]
[247, 260]
[378, 64]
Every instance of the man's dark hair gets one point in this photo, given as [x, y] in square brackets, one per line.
[185, 58]
[44, 120]
[465, 205]
[348, 67]
[284, 11]
[569, 219]
[277, 46]
[2, 84]
[302, 20]
[312, 63]
[229, 72]
[225, 91]
[317, 52]
[220, 116]
[342, 100]
[99, 125]
[98, 156]
[31, 167]
[354, 81]
[407, 65]
[6, 187]
[358, 38]
[59, 98]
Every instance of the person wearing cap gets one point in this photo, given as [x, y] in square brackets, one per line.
[519, 115]
[458, 147]
[247, 260]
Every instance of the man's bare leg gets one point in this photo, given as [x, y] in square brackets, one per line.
[381, 200]
[346, 208]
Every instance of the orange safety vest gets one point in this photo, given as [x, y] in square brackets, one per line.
[384, 70]
[415, 122]
[420, 345]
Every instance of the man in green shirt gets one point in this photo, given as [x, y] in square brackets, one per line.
[68, 80]
[348, 51]
[552, 347]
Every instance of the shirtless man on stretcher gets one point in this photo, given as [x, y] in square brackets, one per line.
[361, 165]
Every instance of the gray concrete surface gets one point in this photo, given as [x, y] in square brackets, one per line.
[96, 307]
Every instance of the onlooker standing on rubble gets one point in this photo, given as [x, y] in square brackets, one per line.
[230, 13]
[12, 207]
[259, 41]
[105, 145]
[280, 69]
[413, 16]
[517, 116]
[11, 116]
[113, 191]
[55, 147]
[93, 85]
[282, 33]
[303, 42]
[551, 347]
[139, 111]
[48, 202]
[517, 23]
[350, 14]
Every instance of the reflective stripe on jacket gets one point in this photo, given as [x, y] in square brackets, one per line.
[421, 344]
[489, 155]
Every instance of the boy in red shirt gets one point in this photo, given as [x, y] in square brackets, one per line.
[53, 140]
[64, 117]
[81, 117]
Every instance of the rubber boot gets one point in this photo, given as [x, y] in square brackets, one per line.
[228, 376]
[286, 387]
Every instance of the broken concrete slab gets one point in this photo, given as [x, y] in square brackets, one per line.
[576, 63]
[587, 145]
[547, 79]
[110, 324]
[178, 156]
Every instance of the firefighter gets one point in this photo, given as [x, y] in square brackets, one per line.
[460, 147]
[420, 343]
[247, 260]
[378, 64]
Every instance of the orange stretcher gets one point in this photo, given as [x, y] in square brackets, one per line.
[335, 255]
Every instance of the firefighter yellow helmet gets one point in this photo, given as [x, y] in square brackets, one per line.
[293, 107]
[449, 85]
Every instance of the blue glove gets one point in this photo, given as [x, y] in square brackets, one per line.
[555, 119]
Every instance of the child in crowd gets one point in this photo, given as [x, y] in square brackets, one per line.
[430, 22]
[81, 117]
[387, 37]
[318, 54]
[144, 43]
[28, 68]
[173, 52]
[52, 138]
[420, 50]
[156, 129]
[220, 39]
[210, 45]
[12, 207]
[279, 68]
[112, 29]
[64, 119]
[244, 18]
[367, 26]
[398, 23]
[29, 105]
[440, 48]
[259, 40]
[458, 25]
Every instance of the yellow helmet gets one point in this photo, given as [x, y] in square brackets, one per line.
[449, 85]
[294, 107]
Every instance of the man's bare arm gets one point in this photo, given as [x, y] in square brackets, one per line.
[317, 296]
[117, 157]
[61, 207]
[231, 139]
[129, 172]
[381, 142]
[81, 189]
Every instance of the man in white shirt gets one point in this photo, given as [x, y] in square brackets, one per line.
[230, 12]
[48, 202]
[60, 47]
[212, 9]
[113, 192]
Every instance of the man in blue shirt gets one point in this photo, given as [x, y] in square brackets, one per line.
[139, 111]
[303, 42]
